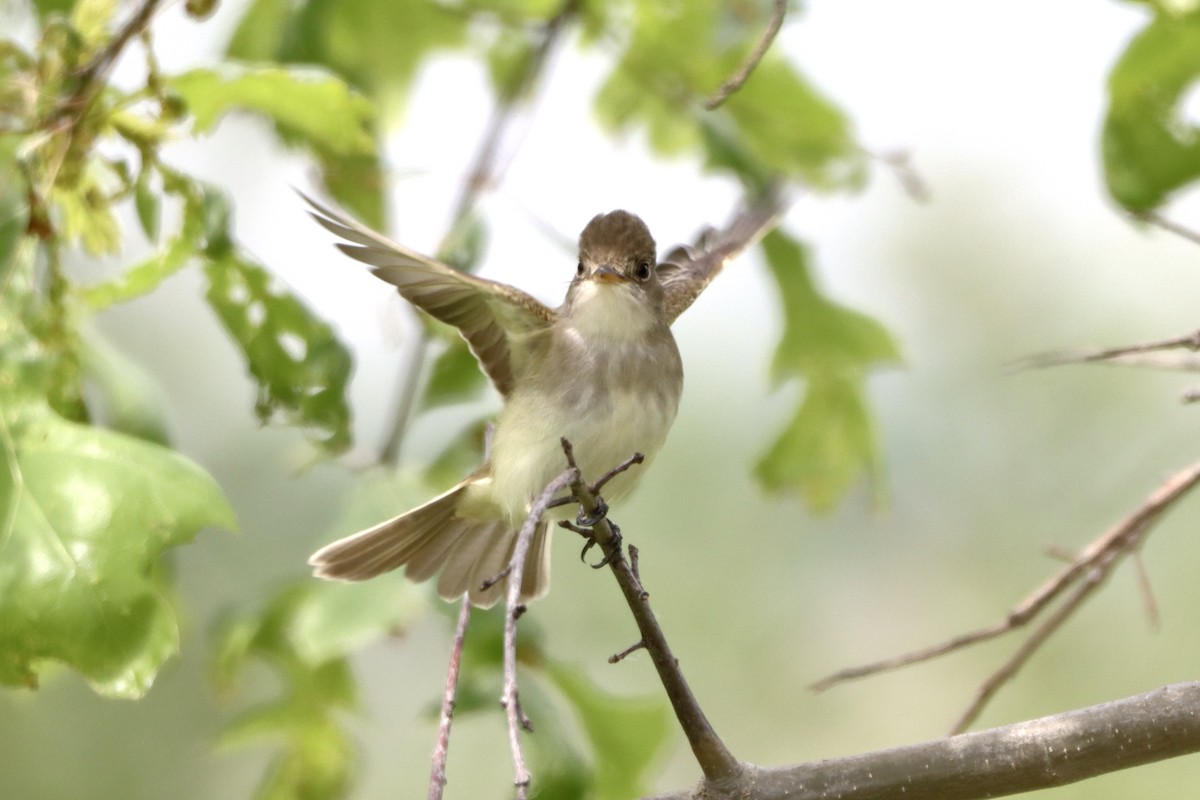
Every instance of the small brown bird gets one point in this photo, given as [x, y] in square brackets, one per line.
[601, 370]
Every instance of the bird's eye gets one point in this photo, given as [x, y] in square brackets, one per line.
[579, 269]
[642, 271]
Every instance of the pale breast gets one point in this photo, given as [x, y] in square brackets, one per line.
[610, 397]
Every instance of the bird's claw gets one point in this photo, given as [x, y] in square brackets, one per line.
[609, 557]
[585, 520]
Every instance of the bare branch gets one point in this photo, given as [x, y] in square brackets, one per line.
[736, 80]
[1189, 341]
[1038, 754]
[1156, 219]
[1090, 568]
[517, 721]
[715, 759]
[437, 776]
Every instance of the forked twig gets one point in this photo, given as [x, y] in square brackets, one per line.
[1090, 568]
[715, 760]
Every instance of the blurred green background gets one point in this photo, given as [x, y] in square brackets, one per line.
[1017, 251]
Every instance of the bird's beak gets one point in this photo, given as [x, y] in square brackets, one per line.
[606, 274]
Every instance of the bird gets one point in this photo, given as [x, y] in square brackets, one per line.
[601, 370]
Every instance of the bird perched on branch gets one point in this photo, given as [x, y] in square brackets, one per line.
[601, 370]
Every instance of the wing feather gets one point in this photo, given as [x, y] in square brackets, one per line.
[495, 318]
[688, 269]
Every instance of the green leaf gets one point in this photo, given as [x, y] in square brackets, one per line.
[311, 105]
[148, 205]
[776, 123]
[456, 377]
[339, 618]
[627, 734]
[1149, 149]
[133, 403]
[832, 348]
[86, 516]
[316, 756]
[825, 447]
[377, 45]
[300, 366]
[87, 215]
[788, 125]
[146, 276]
[460, 457]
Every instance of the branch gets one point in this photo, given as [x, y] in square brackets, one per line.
[1094, 564]
[1156, 219]
[736, 80]
[515, 572]
[1038, 754]
[1189, 341]
[482, 175]
[716, 761]
[437, 776]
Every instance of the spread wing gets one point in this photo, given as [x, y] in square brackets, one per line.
[495, 318]
[688, 269]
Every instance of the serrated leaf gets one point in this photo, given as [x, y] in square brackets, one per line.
[85, 518]
[829, 442]
[1149, 149]
[300, 366]
[310, 104]
[627, 734]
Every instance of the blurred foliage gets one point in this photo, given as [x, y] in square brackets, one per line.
[829, 441]
[1150, 143]
[91, 495]
[615, 740]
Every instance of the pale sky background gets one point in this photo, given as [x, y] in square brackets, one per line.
[1018, 251]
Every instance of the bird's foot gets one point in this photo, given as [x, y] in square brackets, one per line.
[590, 536]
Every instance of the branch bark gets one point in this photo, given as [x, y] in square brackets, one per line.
[719, 765]
[1038, 754]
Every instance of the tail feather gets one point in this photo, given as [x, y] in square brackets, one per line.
[387, 545]
[431, 538]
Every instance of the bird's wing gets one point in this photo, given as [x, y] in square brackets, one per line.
[688, 269]
[495, 318]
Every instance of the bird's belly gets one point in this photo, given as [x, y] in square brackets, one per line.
[605, 425]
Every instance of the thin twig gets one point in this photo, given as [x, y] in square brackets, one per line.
[517, 721]
[714, 758]
[1154, 218]
[1087, 571]
[1190, 341]
[482, 176]
[437, 776]
[736, 80]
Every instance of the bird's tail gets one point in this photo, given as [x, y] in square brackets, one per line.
[432, 538]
